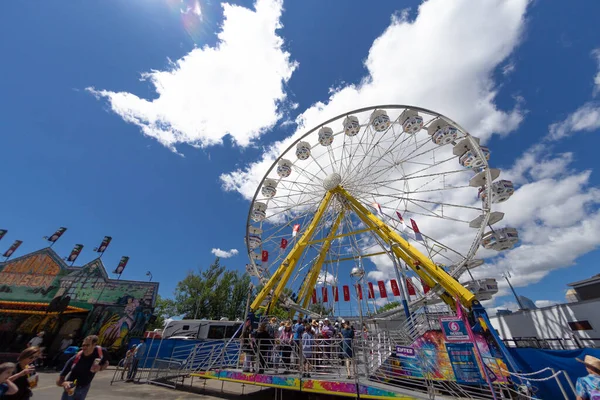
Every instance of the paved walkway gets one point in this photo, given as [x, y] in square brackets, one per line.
[102, 390]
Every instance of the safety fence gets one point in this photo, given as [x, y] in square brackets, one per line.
[367, 359]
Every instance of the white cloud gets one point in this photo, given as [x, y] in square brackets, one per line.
[585, 119]
[442, 66]
[224, 253]
[556, 213]
[508, 68]
[545, 303]
[596, 55]
[235, 88]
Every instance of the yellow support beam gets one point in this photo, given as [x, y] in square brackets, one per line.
[316, 269]
[417, 261]
[284, 272]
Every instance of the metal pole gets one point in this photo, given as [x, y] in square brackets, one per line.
[366, 361]
[514, 293]
[401, 282]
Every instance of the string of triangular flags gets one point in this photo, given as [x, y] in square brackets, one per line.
[383, 293]
[413, 223]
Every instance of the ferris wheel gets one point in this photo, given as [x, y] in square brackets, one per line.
[400, 192]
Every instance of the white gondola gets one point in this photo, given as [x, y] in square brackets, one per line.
[467, 156]
[483, 289]
[254, 237]
[303, 150]
[351, 125]
[284, 168]
[495, 217]
[269, 188]
[256, 258]
[411, 121]
[259, 211]
[380, 120]
[442, 132]
[480, 178]
[500, 239]
[501, 191]
[325, 136]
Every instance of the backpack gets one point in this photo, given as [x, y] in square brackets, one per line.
[80, 353]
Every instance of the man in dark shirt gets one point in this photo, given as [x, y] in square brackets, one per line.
[82, 367]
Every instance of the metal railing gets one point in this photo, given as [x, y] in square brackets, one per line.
[369, 359]
[552, 343]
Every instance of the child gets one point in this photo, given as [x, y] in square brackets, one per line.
[6, 386]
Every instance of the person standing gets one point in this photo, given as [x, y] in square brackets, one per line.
[347, 351]
[23, 372]
[37, 340]
[298, 330]
[588, 387]
[307, 349]
[82, 368]
[263, 343]
[286, 340]
[138, 355]
[64, 344]
[247, 346]
[7, 387]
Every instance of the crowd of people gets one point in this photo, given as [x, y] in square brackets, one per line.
[299, 344]
[17, 380]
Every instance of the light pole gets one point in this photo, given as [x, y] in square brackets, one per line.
[149, 275]
[506, 275]
[357, 273]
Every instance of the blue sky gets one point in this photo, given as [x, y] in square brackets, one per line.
[71, 160]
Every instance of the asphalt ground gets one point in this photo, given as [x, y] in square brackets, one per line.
[102, 389]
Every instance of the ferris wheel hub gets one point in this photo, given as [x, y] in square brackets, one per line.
[332, 181]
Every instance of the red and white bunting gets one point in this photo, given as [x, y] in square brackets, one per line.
[395, 288]
[371, 294]
[410, 287]
[377, 206]
[402, 224]
[426, 288]
[382, 290]
[324, 294]
[415, 228]
[346, 291]
[314, 296]
[295, 230]
[336, 296]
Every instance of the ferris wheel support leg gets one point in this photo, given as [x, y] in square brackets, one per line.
[479, 312]
[417, 261]
[284, 272]
[305, 290]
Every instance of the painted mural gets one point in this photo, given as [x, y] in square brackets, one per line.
[430, 359]
[115, 310]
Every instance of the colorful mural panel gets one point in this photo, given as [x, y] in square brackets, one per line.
[119, 309]
[431, 359]
[33, 278]
[337, 388]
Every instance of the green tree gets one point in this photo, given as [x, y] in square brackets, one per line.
[320, 308]
[212, 293]
[164, 308]
[388, 306]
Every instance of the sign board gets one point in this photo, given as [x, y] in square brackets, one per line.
[454, 329]
[406, 352]
[464, 364]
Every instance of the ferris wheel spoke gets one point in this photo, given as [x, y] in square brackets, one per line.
[371, 148]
